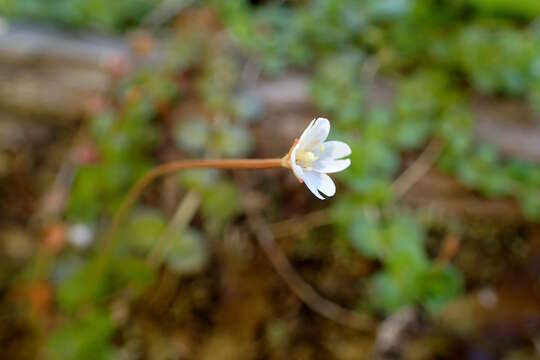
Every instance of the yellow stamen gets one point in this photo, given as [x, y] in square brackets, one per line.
[306, 159]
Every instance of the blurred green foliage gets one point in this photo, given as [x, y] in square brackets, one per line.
[98, 14]
[527, 9]
[437, 54]
[123, 140]
[124, 137]
[87, 338]
[431, 49]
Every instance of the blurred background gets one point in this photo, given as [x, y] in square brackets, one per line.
[429, 250]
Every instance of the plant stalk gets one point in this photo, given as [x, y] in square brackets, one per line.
[172, 167]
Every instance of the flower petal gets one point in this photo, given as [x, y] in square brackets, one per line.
[316, 133]
[335, 150]
[313, 181]
[331, 166]
[327, 186]
[297, 170]
[306, 131]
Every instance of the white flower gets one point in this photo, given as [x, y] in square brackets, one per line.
[311, 158]
[80, 235]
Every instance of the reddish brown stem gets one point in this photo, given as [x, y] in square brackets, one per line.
[172, 167]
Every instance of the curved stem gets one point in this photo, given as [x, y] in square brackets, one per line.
[172, 167]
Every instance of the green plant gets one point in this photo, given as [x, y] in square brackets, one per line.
[100, 14]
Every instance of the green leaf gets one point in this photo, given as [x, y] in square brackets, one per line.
[85, 339]
[365, 236]
[131, 272]
[232, 141]
[192, 135]
[530, 202]
[525, 8]
[84, 287]
[142, 230]
[186, 252]
[386, 293]
[220, 203]
[84, 202]
[440, 285]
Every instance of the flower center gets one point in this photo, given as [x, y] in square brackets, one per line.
[305, 159]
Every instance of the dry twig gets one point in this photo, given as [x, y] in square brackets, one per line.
[298, 285]
[418, 168]
[182, 217]
[293, 226]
